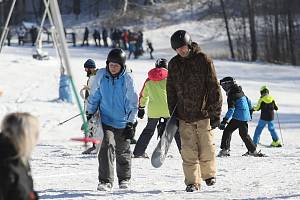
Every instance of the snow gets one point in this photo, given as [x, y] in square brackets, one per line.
[60, 171]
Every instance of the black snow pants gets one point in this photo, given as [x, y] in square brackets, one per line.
[243, 131]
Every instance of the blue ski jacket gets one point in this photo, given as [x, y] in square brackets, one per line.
[239, 105]
[115, 97]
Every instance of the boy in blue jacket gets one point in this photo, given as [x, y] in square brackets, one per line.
[237, 117]
[113, 93]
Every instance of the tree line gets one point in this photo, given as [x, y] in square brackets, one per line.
[266, 30]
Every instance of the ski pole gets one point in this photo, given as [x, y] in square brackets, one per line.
[68, 120]
[279, 127]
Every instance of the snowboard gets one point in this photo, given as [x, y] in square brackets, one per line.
[160, 152]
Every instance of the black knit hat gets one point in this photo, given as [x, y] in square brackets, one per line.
[89, 64]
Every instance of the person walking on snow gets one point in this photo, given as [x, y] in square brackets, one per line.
[267, 105]
[91, 70]
[115, 96]
[154, 96]
[193, 86]
[237, 117]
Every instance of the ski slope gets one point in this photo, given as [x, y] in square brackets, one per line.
[60, 171]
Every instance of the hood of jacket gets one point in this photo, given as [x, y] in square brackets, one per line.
[235, 92]
[157, 74]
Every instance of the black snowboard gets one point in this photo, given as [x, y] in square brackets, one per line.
[160, 152]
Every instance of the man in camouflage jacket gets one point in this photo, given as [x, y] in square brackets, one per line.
[193, 89]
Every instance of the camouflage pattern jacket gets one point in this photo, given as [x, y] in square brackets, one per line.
[192, 84]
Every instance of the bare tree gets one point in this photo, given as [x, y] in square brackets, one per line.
[291, 36]
[227, 29]
[251, 13]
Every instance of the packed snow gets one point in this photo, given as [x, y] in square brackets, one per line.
[60, 171]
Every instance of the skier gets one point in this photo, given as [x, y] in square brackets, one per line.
[237, 117]
[115, 83]
[193, 86]
[18, 136]
[97, 38]
[154, 96]
[21, 34]
[150, 47]
[90, 69]
[85, 37]
[267, 105]
[33, 34]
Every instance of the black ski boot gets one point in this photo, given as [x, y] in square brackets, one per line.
[224, 153]
[90, 150]
[210, 181]
[192, 188]
[255, 154]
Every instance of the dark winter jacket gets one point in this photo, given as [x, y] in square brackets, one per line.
[15, 178]
[239, 105]
[192, 84]
[267, 106]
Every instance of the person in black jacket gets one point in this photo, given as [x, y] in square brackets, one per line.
[267, 105]
[18, 136]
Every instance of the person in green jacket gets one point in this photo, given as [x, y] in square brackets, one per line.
[267, 105]
[154, 96]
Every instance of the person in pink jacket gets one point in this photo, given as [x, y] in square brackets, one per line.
[154, 96]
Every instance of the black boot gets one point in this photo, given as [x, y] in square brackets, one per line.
[210, 181]
[192, 188]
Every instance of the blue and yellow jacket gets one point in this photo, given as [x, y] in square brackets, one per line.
[238, 104]
[267, 105]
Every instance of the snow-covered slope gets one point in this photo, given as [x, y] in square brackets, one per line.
[60, 171]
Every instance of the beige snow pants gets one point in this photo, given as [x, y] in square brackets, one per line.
[198, 151]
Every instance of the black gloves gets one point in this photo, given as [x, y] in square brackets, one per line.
[129, 130]
[88, 116]
[141, 112]
[214, 123]
[223, 124]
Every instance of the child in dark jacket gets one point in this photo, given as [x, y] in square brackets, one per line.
[267, 105]
[18, 136]
[237, 117]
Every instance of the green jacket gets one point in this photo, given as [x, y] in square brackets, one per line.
[154, 94]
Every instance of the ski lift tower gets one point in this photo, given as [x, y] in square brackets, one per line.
[61, 48]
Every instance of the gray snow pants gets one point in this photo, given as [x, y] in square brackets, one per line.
[114, 146]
